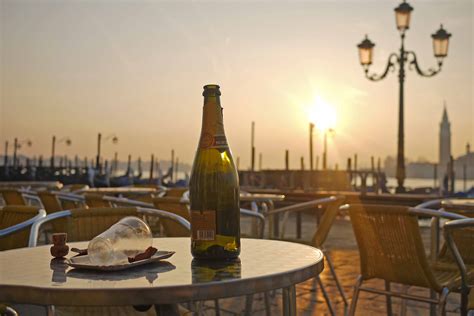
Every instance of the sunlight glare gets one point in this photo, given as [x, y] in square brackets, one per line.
[322, 114]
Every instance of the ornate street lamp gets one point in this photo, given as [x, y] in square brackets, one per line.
[440, 43]
[440, 48]
[366, 48]
[402, 16]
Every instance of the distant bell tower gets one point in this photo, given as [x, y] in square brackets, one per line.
[444, 143]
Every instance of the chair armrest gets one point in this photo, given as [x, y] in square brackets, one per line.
[441, 213]
[449, 227]
[299, 207]
[435, 215]
[22, 225]
[431, 204]
[164, 214]
[258, 216]
[459, 223]
[33, 240]
[32, 197]
[69, 196]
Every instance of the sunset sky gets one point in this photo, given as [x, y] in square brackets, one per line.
[136, 69]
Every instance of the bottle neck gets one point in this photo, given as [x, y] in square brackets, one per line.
[212, 131]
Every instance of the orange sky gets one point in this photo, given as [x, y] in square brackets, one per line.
[136, 69]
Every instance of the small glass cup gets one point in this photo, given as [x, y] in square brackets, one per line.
[126, 238]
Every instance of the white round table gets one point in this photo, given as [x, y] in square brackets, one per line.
[29, 276]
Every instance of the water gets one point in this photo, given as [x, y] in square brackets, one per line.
[418, 183]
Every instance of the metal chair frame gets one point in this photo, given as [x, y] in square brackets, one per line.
[23, 225]
[140, 210]
[449, 227]
[124, 201]
[301, 207]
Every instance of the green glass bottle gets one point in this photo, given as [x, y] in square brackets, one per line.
[214, 188]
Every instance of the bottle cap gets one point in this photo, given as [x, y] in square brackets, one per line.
[211, 90]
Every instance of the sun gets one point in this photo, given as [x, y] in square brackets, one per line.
[322, 114]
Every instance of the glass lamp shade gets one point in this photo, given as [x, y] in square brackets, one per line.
[366, 48]
[441, 42]
[402, 16]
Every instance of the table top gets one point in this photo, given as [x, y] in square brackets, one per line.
[250, 197]
[32, 184]
[119, 190]
[257, 197]
[28, 275]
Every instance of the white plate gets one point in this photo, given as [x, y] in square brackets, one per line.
[83, 262]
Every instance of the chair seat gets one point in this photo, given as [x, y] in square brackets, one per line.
[447, 263]
[447, 274]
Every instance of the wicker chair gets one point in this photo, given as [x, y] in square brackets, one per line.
[459, 236]
[70, 201]
[15, 222]
[50, 201]
[320, 235]
[175, 206]
[84, 224]
[175, 192]
[12, 197]
[440, 254]
[391, 249]
[96, 200]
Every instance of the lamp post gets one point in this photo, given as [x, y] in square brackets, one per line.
[440, 49]
[66, 140]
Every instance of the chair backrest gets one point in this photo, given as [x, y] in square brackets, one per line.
[69, 205]
[50, 201]
[390, 245]
[175, 206]
[12, 215]
[12, 197]
[464, 240]
[85, 224]
[327, 221]
[96, 200]
[175, 192]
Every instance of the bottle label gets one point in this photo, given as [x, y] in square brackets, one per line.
[213, 141]
[203, 225]
[212, 133]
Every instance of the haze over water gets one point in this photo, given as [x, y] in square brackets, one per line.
[136, 69]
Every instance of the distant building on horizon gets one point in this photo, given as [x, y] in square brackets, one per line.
[465, 162]
[463, 165]
[444, 144]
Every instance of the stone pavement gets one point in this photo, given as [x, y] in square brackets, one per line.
[342, 249]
